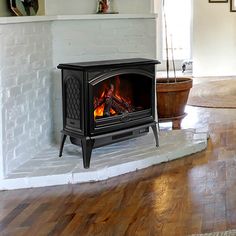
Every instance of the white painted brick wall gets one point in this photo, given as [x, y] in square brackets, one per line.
[30, 84]
[87, 40]
[26, 62]
[1, 97]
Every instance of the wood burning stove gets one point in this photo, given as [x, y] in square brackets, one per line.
[107, 101]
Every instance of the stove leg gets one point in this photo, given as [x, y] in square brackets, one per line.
[154, 129]
[63, 139]
[87, 146]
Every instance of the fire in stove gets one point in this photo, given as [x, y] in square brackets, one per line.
[112, 101]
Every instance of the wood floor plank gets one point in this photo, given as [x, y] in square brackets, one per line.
[12, 215]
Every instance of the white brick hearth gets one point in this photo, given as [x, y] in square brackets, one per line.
[47, 169]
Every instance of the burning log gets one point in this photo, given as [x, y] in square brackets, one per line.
[124, 104]
[107, 107]
[112, 102]
[117, 107]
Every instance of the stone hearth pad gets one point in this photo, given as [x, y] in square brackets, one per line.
[47, 169]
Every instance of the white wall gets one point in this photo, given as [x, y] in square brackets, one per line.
[74, 7]
[214, 39]
[214, 27]
[87, 40]
[1, 105]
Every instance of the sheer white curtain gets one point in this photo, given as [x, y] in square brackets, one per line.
[179, 28]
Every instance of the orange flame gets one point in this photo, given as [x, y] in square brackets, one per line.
[99, 111]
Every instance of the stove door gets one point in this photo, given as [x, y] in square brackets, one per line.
[121, 99]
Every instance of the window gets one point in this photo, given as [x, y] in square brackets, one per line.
[179, 23]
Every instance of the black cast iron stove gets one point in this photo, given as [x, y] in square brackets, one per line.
[107, 101]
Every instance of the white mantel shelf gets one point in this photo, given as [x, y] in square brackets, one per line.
[28, 19]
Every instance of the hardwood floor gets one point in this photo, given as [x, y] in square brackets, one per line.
[195, 194]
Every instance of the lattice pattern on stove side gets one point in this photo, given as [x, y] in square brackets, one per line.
[73, 98]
